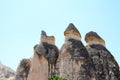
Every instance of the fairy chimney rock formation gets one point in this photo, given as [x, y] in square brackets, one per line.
[105, 64]
[44, 59]
[39, 63]
[51, 51]
[72, 32]
[73, 59]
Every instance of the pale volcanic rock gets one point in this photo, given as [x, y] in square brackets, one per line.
[74, 62]
[105, 64]
[39, 68]
[44, 59]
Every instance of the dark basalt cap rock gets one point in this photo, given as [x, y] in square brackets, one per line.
[72, 29]
[93, 36]
[43, 33]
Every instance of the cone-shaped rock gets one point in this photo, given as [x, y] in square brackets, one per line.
[72, 32]
[94, 38]
[105, 64]
[74, 60]
[71, 29]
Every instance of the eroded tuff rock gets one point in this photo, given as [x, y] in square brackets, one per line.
[44, 59]
[23, 69]
[105, 64]
[39, 66]
[51, 52]
[74, 62]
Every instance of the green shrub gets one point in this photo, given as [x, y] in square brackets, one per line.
[56, 78]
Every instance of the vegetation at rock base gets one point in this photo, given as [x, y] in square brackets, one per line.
[54, 77]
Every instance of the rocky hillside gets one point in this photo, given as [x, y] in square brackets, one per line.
[6, 73]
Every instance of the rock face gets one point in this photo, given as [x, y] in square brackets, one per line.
[44, 59]
[105, 64]
[74, 62]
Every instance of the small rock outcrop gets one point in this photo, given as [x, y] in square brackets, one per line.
[105, 64]
[74, 62]
[23, 69]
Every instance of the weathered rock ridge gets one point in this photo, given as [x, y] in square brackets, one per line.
[6, 72]
[73, 61]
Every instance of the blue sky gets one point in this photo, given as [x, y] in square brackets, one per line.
[21, 22]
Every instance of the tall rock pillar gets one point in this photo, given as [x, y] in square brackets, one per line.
[105, 64]
[44, 59]
[74, 61]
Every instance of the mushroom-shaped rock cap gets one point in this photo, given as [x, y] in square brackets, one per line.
[43, 33]
[51, 38]
[71, 29]
[46, 38]
[93, 36]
